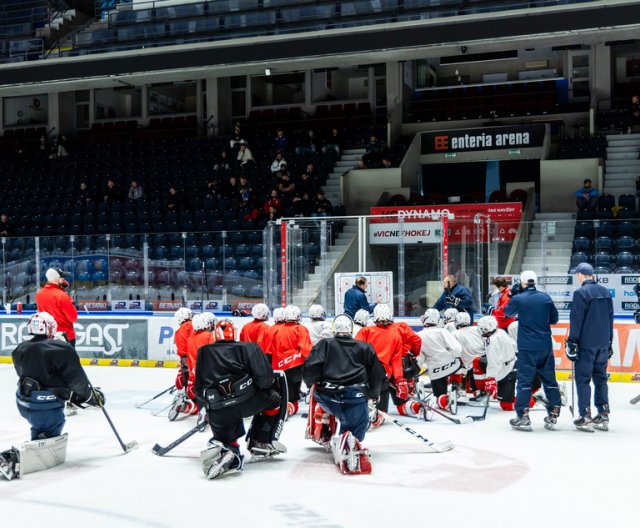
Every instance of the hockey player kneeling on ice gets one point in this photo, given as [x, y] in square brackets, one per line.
[50, 374]
[318, 327]
[440, 355]
[345, 373]
[234, 380]
[449, 319]
[388, 343]
[183, 317]
[497, 365]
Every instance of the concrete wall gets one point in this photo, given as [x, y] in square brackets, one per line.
[560, 179]
[361, 188]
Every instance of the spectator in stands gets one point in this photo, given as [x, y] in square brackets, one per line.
[84, 194]
[286, 187]
[301, 205]
[273, 201]
[6, 229]
[111, 193]
[136, 192]
[234, 143]
[277, 162]
[386, 162]
[231, 188]
[314, 177]
[634, 112]
[273, 214]
[373, 152]
[222, 162]
[333, 142]
[280, 142]
[244, 160]
[360, 165]
[587, 197]
[174, 200]
[321, 206]
[308, 144]
[213, 188]
[43, 147]
[58, 149]
[244, 190]
[305, 185]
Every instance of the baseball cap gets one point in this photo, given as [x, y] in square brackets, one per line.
[585, 268]
[53, 274]
[528, 276]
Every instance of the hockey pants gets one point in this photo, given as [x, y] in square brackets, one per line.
[528, 364]
[350, 408]
[45, 423]
[592, 364]
[294, 382]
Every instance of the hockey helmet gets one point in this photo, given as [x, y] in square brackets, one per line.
[53, 274]
[42, 323]
[462, 319]
[362, 317]
[382, 314]
[487, 325]
[182, 315]
[431, 317]
[225, 331]
[449, 315]
[343, 325]
[292, 314]
[260, 312]
[278, 315]
[317, 313]
[203, 321]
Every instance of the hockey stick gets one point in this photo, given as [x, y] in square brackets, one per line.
[438, 447]
[170, 390]
[125, 447]
[573, 385]
[635, 400]
[161, 451]
[161, 411]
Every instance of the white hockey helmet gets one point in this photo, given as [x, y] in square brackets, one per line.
[203, 321]
[182, 315]
[342, 325]
[260, 312]
[382, 314]
[362, 317]
[292, 314]
[487, 325]
[278, 315]
[42, 323]
[463, 319]
[317, 313]
[449, 315]
[431, 317]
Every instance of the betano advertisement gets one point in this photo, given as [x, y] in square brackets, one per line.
[148, 341]
[421, 223]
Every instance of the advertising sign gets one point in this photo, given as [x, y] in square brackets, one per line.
[128, 305]
[409, 233]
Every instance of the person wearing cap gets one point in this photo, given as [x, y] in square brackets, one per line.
[536, 313]
[53, 299]
[589, 346]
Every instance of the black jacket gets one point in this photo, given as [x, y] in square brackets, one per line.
[231, 359]
[591, 317]
[55, 365]
[345, 362]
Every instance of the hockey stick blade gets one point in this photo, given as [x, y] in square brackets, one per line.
[131, 446]
[635, 400]
[161, 451]
[458, 421]
[438, 447]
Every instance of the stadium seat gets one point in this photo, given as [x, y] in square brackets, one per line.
[582, 244]
[624, 259]
[578, 258]
[602, 259]
[603, 243]
[625, 243]
[628, 201]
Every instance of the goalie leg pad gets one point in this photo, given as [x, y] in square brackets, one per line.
[38, 455]
[221, 458]
[321, 425]
[349, 455]
[10, 463]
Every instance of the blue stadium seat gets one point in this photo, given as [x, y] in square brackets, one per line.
[624, 259]
[625, 229]
[625, 243]
[577, 258]
[624, 269]
[628, 201]
[603, 259]
[604, 229]
[582, 244]
[603, 243]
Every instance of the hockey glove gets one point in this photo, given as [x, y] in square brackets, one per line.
[191, 393]
[453, 301]
[571, 349]
[180, 380]
[487, 309]
[610, 351]
[97, 398]
[515, 289]
[402, 389]
[491, 387]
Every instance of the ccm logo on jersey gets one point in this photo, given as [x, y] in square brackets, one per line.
[444, 367]
[290, 359]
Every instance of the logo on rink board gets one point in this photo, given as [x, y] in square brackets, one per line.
[556, 279]
[630, 306]
[630, 279]
[563, 305]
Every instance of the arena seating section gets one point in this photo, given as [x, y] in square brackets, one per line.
[19, 21]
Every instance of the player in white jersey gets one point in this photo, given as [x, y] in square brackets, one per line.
[318, 327]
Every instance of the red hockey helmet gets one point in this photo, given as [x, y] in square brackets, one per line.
[225, 331]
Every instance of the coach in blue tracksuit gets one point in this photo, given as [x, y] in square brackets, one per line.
[589, 345]
[536, 313]
[356, 299]
[455, 296]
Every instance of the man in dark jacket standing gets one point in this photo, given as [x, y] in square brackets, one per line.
[589, 346]
[355, 299]
[536, 313]
[455, 296]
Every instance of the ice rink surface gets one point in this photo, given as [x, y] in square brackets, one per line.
[494, 477]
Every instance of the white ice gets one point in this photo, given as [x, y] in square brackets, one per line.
[494, 477]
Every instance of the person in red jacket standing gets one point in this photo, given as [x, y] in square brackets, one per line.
[289, 350]
[388, 343]
[253, 331]
[498, 312]
[53, 299]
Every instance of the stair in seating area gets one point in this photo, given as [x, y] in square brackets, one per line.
[348, 160]
[622, 165]
[550, 242]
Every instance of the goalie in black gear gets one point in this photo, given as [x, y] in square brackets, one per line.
[344, 373]
[234, 380]
[50, 374]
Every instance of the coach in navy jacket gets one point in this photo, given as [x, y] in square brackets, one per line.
[355, 299]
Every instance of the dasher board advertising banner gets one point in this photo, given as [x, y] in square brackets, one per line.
[379, 283]
[505, 218]
[407, 233]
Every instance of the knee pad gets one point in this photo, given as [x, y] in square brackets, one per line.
[442, 401]
[507, 406]
[456, 378]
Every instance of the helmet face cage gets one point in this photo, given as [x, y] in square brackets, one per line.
[182, 315]
[292, 314]
[342, 325]
[225, 331]
[431, 317]
[462, 319]
[382, 313]
[487, 325]
[260, 312]
[449, 315]
[362, 317]
[278, 315]
[316, 312]
[42, 323]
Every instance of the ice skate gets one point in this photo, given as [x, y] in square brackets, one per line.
[70, 409]
[261, 451]
[584, 423]
[182, 405]
[522, 423]
[219, 459]
[10, 464]
[601, 420]
[551, 420]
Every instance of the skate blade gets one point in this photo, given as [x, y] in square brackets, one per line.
[526, 428]
[585, 428]
[550, 426]
[601, 427]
